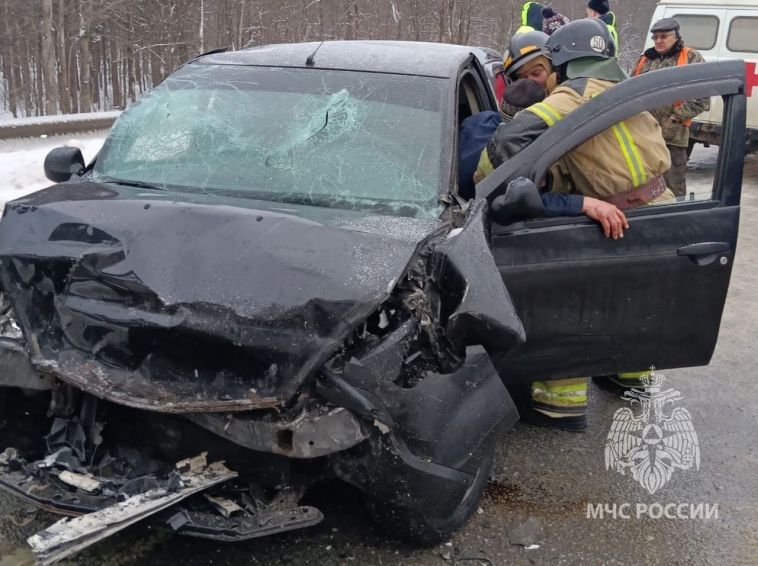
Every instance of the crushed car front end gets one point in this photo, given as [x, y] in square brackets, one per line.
[295, 319]
[133, 353]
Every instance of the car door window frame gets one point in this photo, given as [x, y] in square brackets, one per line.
[631, 97]
[485, 98]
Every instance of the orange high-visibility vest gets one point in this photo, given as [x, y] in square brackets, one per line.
[683, 59]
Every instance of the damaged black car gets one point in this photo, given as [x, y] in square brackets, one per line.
[268, 265]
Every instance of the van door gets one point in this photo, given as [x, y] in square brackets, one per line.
[740, 42]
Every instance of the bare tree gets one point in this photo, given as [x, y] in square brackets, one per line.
[80, 55]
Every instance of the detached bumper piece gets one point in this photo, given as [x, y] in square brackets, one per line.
[104, 508]
[69, 536]
[243, 525]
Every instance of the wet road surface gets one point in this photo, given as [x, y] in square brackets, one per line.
[535, 508]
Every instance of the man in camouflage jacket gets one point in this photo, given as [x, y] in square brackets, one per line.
[668, 51]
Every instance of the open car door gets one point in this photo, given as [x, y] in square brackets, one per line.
[591, 305]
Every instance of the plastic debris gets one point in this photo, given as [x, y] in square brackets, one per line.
[69, 536]
[80, 481]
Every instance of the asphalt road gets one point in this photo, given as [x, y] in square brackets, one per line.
[535, 507]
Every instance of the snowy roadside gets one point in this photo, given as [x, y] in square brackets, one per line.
[21, 161]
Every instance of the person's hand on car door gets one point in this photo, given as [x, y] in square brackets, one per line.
[610, 217]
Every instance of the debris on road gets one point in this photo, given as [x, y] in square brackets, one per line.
[69, 536]
[446, 550]
[87, 483]
[527, 534]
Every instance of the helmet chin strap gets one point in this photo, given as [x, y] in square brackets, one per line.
[552, 82]
[560, 74]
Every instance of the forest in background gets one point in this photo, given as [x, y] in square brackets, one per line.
[70, 56]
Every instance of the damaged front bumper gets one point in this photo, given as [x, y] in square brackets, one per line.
[400, 398]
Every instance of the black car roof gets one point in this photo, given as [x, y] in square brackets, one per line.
[400, 57]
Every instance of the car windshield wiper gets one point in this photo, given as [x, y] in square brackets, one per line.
[128, 183]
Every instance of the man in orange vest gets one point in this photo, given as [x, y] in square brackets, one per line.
[669, 50]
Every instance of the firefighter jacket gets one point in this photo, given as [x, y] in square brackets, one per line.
[675, 119]
[475, 132]
[623, 157]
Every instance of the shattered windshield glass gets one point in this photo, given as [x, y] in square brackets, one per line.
[343, 139]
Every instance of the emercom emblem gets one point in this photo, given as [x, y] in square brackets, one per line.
[652, 438]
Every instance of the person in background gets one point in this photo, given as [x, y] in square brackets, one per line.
[552, 20]
[669, 50]
[531, 16]
[601, 10]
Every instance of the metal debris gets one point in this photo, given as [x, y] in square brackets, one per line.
[81, 481]
[446, 550]
[178, 520]
[226, 507]
[69, 536]
[193, 465]
[8, 455]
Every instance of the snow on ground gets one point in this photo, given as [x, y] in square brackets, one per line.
[21, 161]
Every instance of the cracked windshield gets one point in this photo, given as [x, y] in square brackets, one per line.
[359, 141]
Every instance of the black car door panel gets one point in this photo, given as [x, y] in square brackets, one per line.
[591, 305]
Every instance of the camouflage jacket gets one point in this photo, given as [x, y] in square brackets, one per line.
[673, 119]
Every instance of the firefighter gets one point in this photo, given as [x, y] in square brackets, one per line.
[524, 58]
[623, 165]
[669, 50]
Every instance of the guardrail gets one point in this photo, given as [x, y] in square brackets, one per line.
[58, 124]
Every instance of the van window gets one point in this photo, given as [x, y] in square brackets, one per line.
[699, 32]
[742, 35]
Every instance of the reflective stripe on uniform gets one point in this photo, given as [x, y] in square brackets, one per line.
[631, 154]
[560, 392]
[484, 167]
[683, 59]
[548, 113]
[640, 65]
[615, 38]
[634, 375]
[525, 13]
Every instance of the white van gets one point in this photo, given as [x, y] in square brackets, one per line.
[719, 30]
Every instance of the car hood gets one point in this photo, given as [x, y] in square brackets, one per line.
[173, 303]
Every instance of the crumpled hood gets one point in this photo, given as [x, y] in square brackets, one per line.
[190, 306]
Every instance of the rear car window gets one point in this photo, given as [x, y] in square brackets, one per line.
[742, 35]
[699, 32]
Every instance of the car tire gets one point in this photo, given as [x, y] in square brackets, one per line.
[414, 526]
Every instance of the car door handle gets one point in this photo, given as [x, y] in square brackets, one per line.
[703, 248]
[704, 253]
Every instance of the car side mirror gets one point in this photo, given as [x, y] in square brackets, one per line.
[62, 162]
[521, 201]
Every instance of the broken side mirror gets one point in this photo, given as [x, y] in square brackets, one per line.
[62, 162]
[521, 201]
